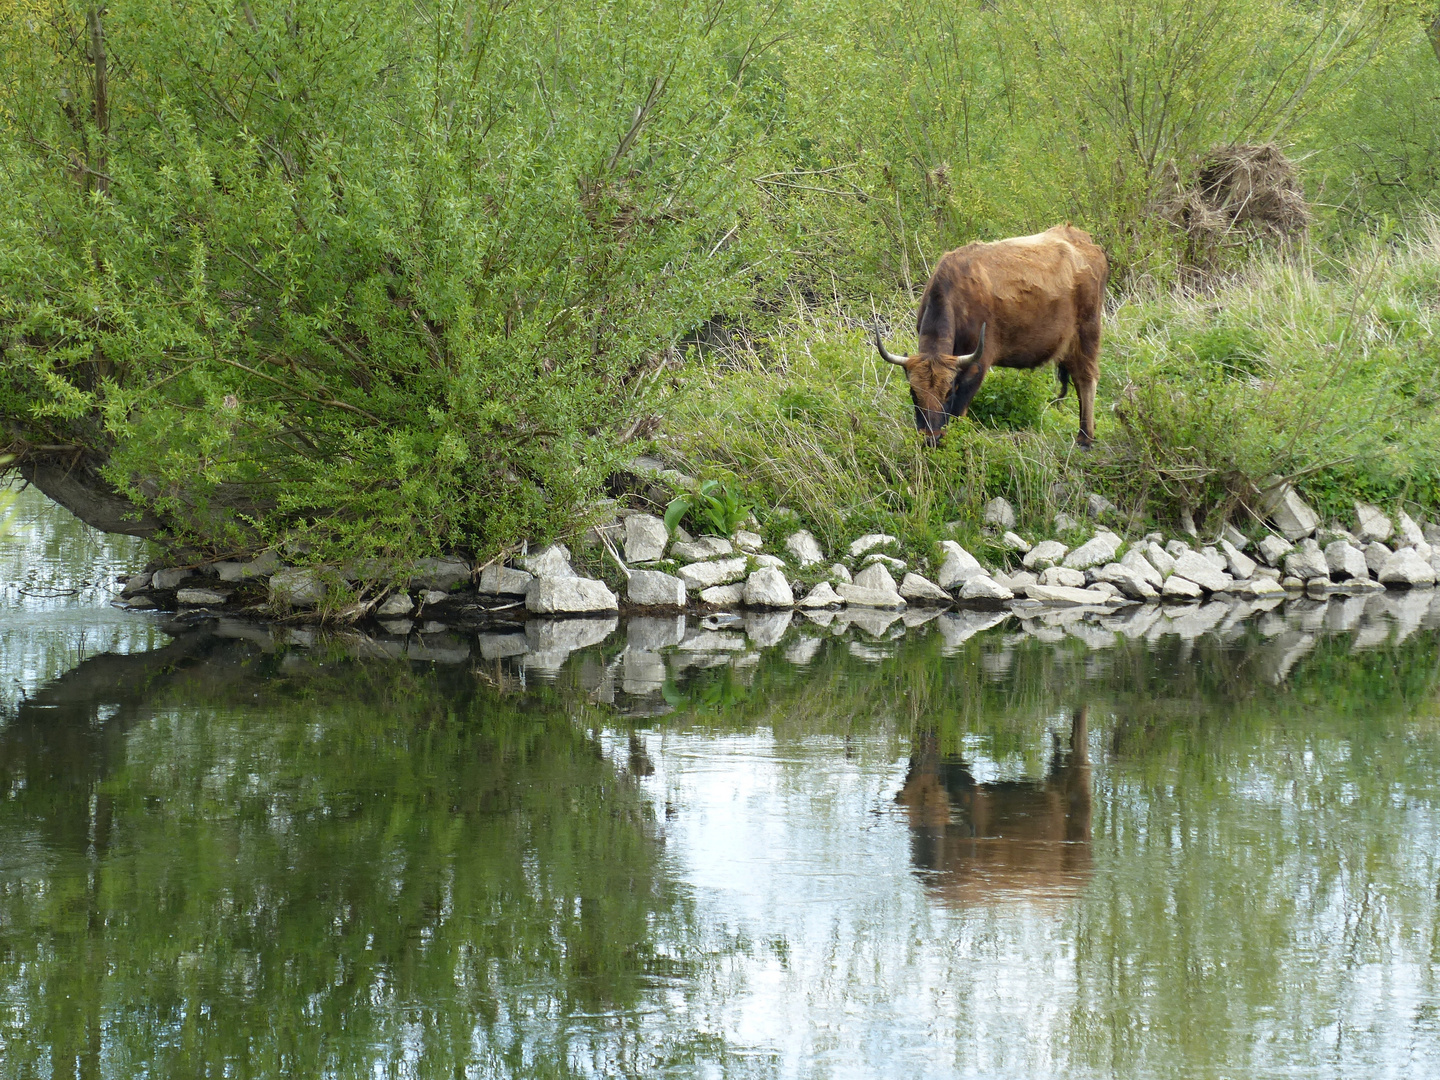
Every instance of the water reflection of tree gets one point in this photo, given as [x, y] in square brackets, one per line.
[238, 863]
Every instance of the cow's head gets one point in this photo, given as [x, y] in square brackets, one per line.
[937, 385]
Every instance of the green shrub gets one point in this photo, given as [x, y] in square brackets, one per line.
[1014, 400]
[1236, 351]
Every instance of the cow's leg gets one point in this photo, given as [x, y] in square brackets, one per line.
[1084, 365]
[1085, 391]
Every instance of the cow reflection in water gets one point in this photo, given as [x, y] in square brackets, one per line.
[976, 843]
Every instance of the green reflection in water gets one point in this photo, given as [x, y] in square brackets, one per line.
[1012, 853]
[220, 862]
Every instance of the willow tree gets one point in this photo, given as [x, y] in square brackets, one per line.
[383, 278]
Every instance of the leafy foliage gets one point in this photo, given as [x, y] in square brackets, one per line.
[715, 508]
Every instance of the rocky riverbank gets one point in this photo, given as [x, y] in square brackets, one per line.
[1085, 563]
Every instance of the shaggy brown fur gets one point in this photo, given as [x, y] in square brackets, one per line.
[1019, 303]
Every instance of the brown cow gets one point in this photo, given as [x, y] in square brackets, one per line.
[978, 843]
[1018, 303]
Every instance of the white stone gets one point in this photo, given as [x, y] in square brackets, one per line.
[565, 595]
[1063, 575]
[194, 597]
[498, 579]
[999, 513]
[1096, 551]
[840, 572]
[1065, 523]
[1044, 554]
[1129, 581]
[1060, 594]
[723, 595]
[168, 579]
[898, 566]
[805, 548]
[1410, 533]
[1097, 506]
[434, 596]
[1195, 567]
[748, 541]
[1292, 516]
[706, 547]
[645, 538]
[859, 596]
[922, 590]
[1346, 561]
[1136, 561]
[1187, 522]
[298, 587]
[1375, 555]
[1307, 562]
[1406, 568]
[1260, 587]
[875, 576]
[552, 562]
[1373, 524]
[821, 596]
[1176, 548]
[1432, 534]
[768, 588]
[869, 542]
[1015, 542]
[445, 573]
[1273, 549]
[958, 567]
[397, 604]
[984, 587]
[651, 588]
[771, 562]
[1239, 564]
[1213, 556]
[1181, 588]
[1159, 558]
[702, 575]
[1235, 538]
[1015, 582]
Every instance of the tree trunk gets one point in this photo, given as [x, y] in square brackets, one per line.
[90, 499]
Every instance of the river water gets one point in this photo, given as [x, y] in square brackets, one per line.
[1199, 842]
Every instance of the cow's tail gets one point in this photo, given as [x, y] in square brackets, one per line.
[1064, 374]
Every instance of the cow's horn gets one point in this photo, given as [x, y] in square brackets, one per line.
[978, 348]
[886, 355]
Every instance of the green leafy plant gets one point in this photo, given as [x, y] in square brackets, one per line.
[715, 508]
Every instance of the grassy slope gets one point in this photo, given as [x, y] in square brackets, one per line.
[1326, 372]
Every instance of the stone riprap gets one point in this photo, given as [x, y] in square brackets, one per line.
[702, 575]
[921, 590]
[1345, 561]
[496, 579]
[552, 562]
[396, 605]
[200, 597]
[1293, 517]
[1063, 575]
[1097, 551]
[569, 596]
[985, 588]
[1307, 561]
[1273, 549]
[723, 595]
[1016, 542]
[767, 588]
[1043, 555]
[746, 540]
[999, 513]
[822, 595]
[645, 538]
[651, 588]
[1239, 565]
[1407, 569]
[869, 542]
[698, 550]
[1193, 566]
[1129, 581]
[1372, 523]
[298, 587]
[805, 548]
[958, 566]
[1135, 560]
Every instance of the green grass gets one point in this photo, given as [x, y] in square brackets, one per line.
[1326, 371]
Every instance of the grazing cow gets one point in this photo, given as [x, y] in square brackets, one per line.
[1018, 303]
[980, 843]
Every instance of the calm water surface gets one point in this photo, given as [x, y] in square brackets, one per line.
[1194, 843]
